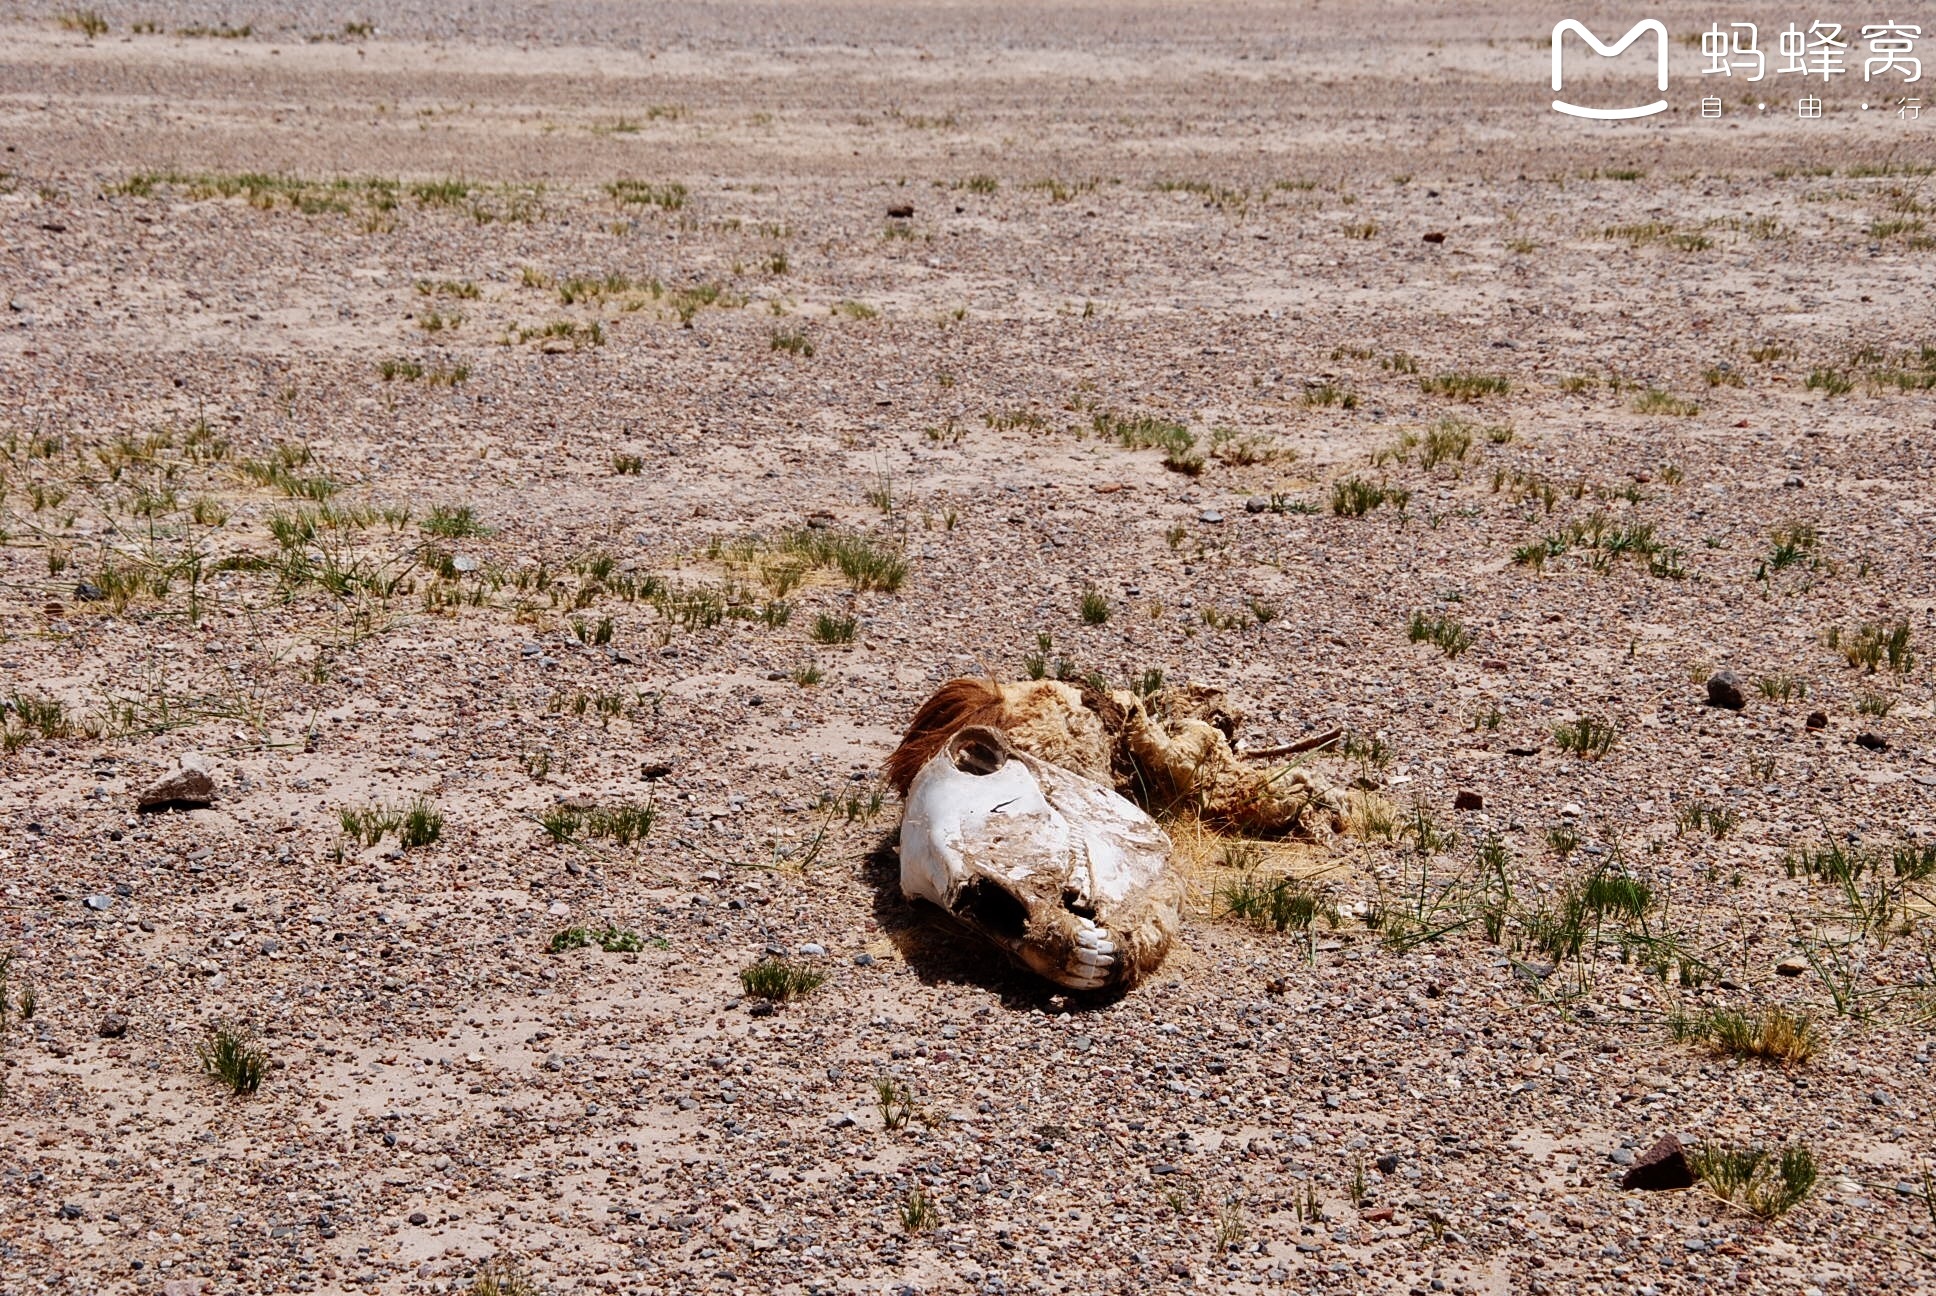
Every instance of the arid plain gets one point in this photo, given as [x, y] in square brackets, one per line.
[535, 459]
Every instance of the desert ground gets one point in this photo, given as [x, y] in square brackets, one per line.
[536, 458]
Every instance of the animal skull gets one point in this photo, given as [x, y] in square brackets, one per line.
[1069, 878]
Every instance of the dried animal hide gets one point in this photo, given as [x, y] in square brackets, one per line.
[1170, 751]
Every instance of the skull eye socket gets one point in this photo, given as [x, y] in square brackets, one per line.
[978, 753]
[991, 908]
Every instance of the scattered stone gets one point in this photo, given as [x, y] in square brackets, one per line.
[1816, 720]
[1468, 801]
[1724, 690]
[863, 960]
[71, 1211]
[1791, 966]
[1210, 515]
[1388, 1164]
[114, 1025]
[1871, 741]
[419, 1218]
[1660, 1168]
[99, 903]
[188, 788]
[813, 949]
[901, 211]
[1435, 236]
[87, 593]
[1255, 505]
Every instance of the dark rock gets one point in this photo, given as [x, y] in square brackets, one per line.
[1872, 741]
[1468, 801]
[87, 593]
[187, 788]
[652, 771]
[419, 1218]
[1435, 236]
[114, 1025]
[901, 211]
[1255, 505]
[1388, 1164]
[1724, 690]
[1816, 720]
[863, 960]
[71, 1210]
[1660, 1168]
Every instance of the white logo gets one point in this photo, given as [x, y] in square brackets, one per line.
[1640, 29]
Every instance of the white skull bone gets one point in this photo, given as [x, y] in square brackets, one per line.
[1069, 878]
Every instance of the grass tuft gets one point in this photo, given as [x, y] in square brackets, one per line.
[1588, 738]
[1764, 1182]
[779, 981]
[233, 1058]
[1450, 635]
[1773, 1035]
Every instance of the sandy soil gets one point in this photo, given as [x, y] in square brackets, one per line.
[458, 282]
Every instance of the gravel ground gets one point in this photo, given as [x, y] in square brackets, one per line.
[450, 461]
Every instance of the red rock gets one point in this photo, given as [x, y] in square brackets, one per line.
[1661, 1168]
[1468, 801]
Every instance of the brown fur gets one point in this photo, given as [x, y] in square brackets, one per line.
[954, 706]
[1042, 717]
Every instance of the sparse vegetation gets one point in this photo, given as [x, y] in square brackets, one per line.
[1144, 432]
[779, 981]
[85, 21]
[918, 1214]
[1772, 1035]
[1446, 633]
[1281, 904]
[234, 1058]
[829, 628]
[1355, 497]
[1588, 738]
[1764, 1182]
[1870, 644]
[1655, 401]
[620, 824]
[503, 1278]
[613, 940]
[1465, 386]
